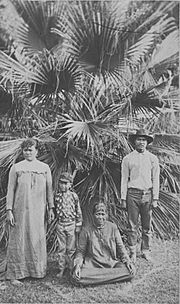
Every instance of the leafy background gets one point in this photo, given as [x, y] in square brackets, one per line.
[80, 76]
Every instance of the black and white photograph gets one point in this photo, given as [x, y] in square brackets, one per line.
[89, 151]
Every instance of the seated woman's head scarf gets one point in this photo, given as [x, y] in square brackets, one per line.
[99, 207]
[99, 214]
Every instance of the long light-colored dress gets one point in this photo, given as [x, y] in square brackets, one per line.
[29, 191]
[101, 255]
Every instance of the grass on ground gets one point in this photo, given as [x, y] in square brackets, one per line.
[155, 283]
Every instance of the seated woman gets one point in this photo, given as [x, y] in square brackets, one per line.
[100, 245]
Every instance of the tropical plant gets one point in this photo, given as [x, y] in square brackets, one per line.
[83, 75]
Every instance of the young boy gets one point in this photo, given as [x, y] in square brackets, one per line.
[69, 216]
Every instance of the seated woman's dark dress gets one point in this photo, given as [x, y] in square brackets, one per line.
[102, 255]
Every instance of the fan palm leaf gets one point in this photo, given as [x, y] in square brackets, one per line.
[99, 181]
[166, 146]
[46, 77]
[4, 231]
[33, 32]
[146, 42]
[96, 38]
[15, 71]
[9, 152]
[166, 216]
[89, 133]
[165, 50]
[5, 100]
[60, 76]
[169, 141]
[90, 36]
[87, 89]
[152, 12]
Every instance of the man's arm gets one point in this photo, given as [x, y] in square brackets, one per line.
[124, 181]
[155, 178]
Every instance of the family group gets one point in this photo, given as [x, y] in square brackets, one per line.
[93, 253]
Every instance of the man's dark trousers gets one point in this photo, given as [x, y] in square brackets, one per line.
[139, 202]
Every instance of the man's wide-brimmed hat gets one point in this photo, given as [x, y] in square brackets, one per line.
[141, 133]
[66, 177]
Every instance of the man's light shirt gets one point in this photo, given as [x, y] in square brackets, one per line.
[140, 171]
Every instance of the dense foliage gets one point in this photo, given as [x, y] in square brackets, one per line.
[80, 76]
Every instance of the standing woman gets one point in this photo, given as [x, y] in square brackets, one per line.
[29, 191]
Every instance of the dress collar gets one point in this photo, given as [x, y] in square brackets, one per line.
[99, 227]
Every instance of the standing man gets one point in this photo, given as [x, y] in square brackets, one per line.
[140, 191]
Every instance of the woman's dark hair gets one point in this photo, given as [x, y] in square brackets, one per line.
[29, 143]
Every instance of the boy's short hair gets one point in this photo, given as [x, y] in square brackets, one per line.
[27, 143]
[66, 177]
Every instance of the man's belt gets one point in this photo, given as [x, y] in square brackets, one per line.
[139, 191]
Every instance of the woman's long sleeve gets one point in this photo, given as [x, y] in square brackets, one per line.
[11, 188]
[121, 250]
[81, 250]
[49, 188]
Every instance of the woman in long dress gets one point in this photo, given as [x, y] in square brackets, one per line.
[28, 196]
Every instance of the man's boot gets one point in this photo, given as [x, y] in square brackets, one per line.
[133, 253]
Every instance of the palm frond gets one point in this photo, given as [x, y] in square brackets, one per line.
[92, 29]
[9, 151]
[170, 182]
[15, 72]
[165, 55]
[51, 237]
[166, 147]
[170, 141]
[165, 219]
[60, 76]
[37, 18]
[5, 100]
[89, 134]
[152, 12]
[97, 180]
[146, 42]
[46, 76]
[167, 120]
[100, 74]
[4, 226]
